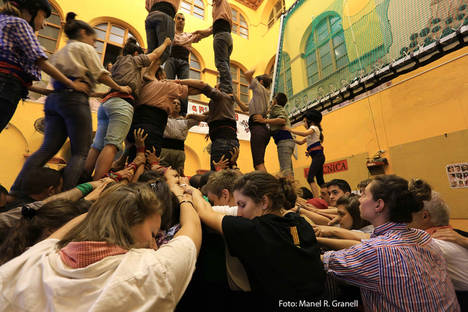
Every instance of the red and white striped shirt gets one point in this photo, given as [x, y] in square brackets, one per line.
[397, 269]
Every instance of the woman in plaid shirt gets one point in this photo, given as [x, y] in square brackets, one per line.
[21, 56]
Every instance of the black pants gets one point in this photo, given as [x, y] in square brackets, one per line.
[11, 92]
[316, 167]
[67, 114]
[153, 120]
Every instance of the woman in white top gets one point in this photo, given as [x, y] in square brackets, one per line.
[107, 259]
[314, 138]
[67, 112]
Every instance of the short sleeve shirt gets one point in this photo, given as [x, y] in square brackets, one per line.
[127, 71]
[161, 94]
[260, 98]
[19, 45]
[79, 60]
[278, 111]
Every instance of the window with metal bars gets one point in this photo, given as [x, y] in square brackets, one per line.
[325, 51]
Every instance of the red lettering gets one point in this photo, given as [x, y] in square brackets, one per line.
[194, 108]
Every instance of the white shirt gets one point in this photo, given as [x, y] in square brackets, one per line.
[227, 210]
[314, 137]
[456, 257]
[139, 280]
[177, 128]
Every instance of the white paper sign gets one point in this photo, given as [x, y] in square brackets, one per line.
[243, 132]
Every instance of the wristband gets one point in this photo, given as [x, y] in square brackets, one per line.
[141, 149]
[186, 202]
[132, 165]
[114, 176]
[85, 188]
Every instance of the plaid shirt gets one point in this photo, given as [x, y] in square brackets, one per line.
[397, 269]
[19, 45]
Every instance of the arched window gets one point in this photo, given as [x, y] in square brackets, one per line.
[193, 7]
[111, 38]
[240, 85]
[239, 24]
[284, 75]
[275, 12]
[325, 49]
[195, 72]
[49, 36]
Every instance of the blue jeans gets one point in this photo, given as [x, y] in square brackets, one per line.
[158, 26]
[222, 46]
[285, 151]
[11, 91]
[114, 121]
[67, 114]
[222, 147]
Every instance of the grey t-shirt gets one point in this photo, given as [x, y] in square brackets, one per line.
[260, 98]
[221, 105]
[127, 71]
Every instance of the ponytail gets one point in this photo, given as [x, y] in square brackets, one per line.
[258, 184]
[34, 225]
[321, 132]
[73, 27]
[290, 194]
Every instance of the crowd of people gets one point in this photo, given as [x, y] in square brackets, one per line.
[121, 227]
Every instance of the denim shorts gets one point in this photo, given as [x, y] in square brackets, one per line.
[114, 121]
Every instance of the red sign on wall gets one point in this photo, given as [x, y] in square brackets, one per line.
[333, 167]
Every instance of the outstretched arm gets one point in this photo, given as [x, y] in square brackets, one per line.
[203, 33]
[156, 54]
[301, 133]
[193, 83]
[249, 75]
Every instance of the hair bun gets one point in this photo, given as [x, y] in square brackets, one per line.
[131, 40]
[289, 192]
[70, 17]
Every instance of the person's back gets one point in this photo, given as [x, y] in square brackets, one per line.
[133, 281]
[290, 268]
[396, 258]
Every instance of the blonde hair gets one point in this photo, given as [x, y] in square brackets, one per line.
[9, 9]
[112, 216]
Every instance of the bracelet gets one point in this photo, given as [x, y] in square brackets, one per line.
[154, 163]
[141, 149]
[115, 176]
[132, 165]
[85, 188]
[186, 202]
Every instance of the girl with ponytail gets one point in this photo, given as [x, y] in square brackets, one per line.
[67, 112]
[37, 225]
[277, 247]
[314, 138]
[21, 55]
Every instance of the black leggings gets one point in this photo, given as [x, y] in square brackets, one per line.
[316, 167]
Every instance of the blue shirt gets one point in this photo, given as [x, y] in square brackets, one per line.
[19, 45]
[397, 269]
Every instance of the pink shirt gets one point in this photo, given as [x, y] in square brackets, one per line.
[222, 10]
[184, 39]
[161, 94]
[175, 4]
